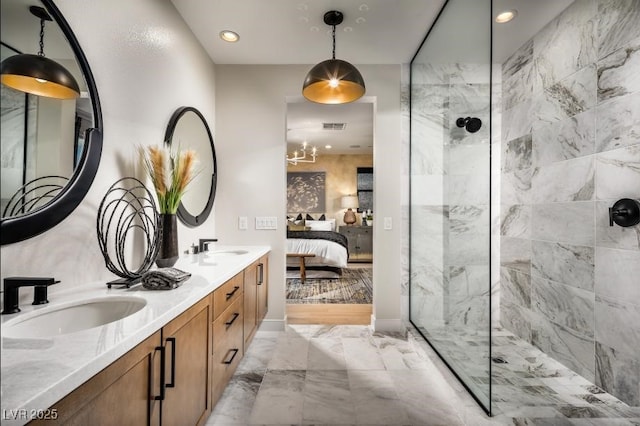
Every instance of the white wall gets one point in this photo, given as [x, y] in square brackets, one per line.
[250, 141]
[146, 63]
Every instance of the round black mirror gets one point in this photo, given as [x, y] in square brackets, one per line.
[188, 129]
[37, 195]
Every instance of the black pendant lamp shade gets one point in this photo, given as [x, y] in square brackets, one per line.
[333, 81]
[37, 74]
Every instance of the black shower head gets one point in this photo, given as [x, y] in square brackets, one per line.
[471, 124]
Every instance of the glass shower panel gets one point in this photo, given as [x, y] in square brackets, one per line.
[450, 191]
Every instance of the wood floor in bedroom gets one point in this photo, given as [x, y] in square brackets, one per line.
[328, 313]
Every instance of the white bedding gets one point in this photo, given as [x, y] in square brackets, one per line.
[327, 253]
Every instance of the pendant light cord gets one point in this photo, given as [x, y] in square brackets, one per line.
[41, 52]
[334, 42]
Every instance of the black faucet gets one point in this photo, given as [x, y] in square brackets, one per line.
[12, 284]
[203, 244]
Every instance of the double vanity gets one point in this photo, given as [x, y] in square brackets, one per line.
[135, 356]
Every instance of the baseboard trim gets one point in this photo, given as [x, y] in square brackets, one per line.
[394, 325]
[272, 325]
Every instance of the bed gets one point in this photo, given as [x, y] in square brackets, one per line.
[329, 247]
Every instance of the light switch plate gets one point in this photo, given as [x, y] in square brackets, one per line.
[243, 223]
[266, 222]
[388, 223]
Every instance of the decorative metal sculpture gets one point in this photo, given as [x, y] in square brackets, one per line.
[34, 194]
[127, 207]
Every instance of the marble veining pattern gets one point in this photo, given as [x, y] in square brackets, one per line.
[570, 180]
[515, 253]
[564, 263]
[618, 173]
[519, 59]
[617, 24]
[618, 324]
[616, 273]
[618, 72]
[516, 154]
[570, 307]
[563, 140]
[515, 287]
[617, 371]
[566, 44]
[618, 123]
[564, 222]
[516, 221]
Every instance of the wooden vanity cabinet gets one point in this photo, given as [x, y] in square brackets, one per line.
[255, 297]
[124, 393]
[194, 356]
[187, 343]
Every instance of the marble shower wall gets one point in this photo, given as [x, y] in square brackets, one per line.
[450, 224]
[570, 149]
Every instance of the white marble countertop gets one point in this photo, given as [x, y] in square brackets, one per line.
[36, 373]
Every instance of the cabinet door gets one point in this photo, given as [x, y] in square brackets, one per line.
[263, 288]
[124, 393]
[187, 341]
[250, 301]
[365, 242]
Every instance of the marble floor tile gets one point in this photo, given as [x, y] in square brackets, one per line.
[326, 354]
[291, 353]
[327, 398]
[529, 389]
[280, 399]
[362, 354]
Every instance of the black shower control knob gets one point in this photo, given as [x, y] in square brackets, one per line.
[625, 212]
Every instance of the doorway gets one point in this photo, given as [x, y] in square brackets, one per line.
[330, 213]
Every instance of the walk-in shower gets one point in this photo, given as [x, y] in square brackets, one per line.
[523, 136]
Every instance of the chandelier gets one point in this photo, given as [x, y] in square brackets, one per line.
[301, 156]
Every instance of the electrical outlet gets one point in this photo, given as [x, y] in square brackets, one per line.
[388, 223]
[266, 222]
[243, 223]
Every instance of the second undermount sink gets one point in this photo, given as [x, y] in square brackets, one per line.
[228, 252]
[71, 317]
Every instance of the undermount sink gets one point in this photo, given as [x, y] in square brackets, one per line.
[72, 317]
[228, 252]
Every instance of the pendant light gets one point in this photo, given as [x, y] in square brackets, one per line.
[37, 74]
[333, 81]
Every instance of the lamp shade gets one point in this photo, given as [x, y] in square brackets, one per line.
[40, 76]
[349, 202]
[333, 81]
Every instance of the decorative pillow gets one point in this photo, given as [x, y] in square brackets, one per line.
[309, 217]
[294, 227]
[333, 224]
[318, 225]
[322, 217]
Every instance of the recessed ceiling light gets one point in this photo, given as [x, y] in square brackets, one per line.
[506, 16]
[328, 146]
[230, 36]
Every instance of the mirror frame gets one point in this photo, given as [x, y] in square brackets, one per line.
[13, 230]
[184, 215]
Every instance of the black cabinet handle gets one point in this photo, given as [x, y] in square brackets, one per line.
[260, 273]
[230, 295]
[235, 317]
[235, 352]
[173, 362]
[162, 375]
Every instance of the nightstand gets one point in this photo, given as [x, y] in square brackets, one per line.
[359, 241]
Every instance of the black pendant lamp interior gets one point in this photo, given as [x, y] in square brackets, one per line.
[333, 81]
[37, 74]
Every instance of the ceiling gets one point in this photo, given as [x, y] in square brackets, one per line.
[373, 32]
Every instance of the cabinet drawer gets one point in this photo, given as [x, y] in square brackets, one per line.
[227, 326]
[228, 350]
[227, 294]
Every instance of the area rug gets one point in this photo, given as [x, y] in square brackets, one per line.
[354, 286]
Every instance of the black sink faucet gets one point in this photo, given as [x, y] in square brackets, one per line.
[12, 284]
[203, 243]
